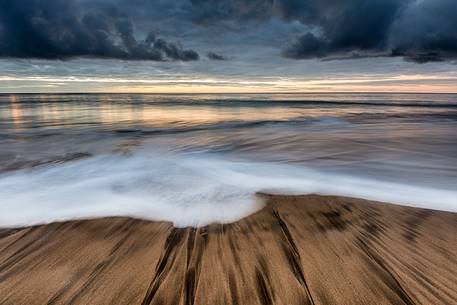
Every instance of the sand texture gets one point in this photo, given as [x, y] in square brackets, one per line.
[297, 250]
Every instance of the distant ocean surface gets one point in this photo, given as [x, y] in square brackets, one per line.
[197, 159]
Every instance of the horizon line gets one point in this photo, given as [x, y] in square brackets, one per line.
[228, 93]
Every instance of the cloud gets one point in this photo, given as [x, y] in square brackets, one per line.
[417, 30]
[426, 32]
[215, 56]
[63, 29]
[213, 11]
[353, 28]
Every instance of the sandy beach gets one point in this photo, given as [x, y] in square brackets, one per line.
[297, 250]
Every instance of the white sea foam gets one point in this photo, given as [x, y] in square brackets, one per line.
[188, 190]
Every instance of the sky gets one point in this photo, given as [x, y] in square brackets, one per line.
[220, 46]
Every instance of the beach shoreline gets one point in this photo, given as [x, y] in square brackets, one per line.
[296, 250]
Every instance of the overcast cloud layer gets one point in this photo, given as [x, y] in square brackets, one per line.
[63, 29]
[228, 45]
[419, 31]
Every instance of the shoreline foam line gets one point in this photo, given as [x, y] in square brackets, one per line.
[187, 190]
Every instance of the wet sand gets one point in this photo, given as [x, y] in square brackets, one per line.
[297, 250]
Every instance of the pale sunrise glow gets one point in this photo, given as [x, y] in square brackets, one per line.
[444, 83]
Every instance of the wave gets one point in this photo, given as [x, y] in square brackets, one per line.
[186, 189]
[216, 126]
[384, 100]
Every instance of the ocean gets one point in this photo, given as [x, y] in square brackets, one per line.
[198, 159]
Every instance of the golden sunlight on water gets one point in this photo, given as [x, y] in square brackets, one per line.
[16, 112]
[109, 113]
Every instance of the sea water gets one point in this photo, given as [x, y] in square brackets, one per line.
[199, 159]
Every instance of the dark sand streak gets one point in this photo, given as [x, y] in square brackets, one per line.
[293, 255]
[297, 250]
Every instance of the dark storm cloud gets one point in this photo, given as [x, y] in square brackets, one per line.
[359, 27]
[419, 31]
[61, 29]
[427, 32]
[215, 56]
